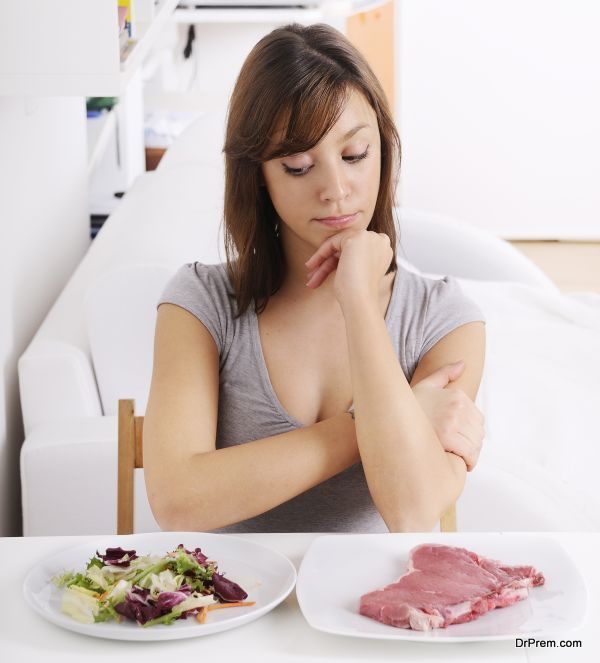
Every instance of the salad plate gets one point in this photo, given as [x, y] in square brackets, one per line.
[267, 576]
[356, 564]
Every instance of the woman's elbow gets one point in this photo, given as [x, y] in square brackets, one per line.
[406, 523]
[424, 515]
[166, 513]
[170, 510]
[176, 517]
[171, 521]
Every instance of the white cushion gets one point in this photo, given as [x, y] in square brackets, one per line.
[120, 317]
[69, 480]
[438, 245]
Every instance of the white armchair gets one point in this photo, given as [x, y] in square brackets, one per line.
[95, 346]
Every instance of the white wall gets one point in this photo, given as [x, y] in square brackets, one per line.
[44, 233]
[499, 113]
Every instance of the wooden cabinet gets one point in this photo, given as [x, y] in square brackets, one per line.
[372, 32]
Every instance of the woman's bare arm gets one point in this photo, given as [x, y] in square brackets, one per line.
[411, 478]
[193, 486]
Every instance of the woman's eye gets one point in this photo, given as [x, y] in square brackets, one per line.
[357, 157]
[296, 171]
[349, 159]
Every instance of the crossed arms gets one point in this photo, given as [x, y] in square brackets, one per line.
[194, 486]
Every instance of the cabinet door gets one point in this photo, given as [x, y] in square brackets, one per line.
[372, 32]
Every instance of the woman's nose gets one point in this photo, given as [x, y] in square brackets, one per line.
[334, 185]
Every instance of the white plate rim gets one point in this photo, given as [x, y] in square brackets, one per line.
[408, 635]
[178, 630]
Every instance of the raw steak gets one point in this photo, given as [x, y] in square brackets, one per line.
[446, 585]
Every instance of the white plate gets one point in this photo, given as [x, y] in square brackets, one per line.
[267, 576]
[338, 569]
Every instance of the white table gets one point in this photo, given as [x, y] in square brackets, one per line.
[281, 635]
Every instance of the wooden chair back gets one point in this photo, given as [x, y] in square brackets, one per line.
[131, 456]
[448, 520]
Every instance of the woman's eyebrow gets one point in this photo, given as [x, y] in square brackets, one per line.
[351, 133]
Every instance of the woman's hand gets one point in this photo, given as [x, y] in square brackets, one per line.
[458, 423]
[360, 259]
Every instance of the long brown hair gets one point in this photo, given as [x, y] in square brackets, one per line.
[297, 77]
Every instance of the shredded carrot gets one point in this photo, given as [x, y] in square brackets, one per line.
[201, 616]
[238, 604]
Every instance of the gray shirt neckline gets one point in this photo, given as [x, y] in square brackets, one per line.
[262, 364]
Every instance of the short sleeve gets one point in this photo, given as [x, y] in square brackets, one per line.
[447, 308]
[196, 288]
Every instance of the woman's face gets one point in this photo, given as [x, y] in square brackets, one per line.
[338, 177]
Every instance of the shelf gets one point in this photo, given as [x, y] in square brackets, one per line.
[146, 33]
[76, 46]
[76, 49]
[313, 13]
[247, 15]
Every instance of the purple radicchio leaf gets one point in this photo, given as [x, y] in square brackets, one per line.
[227, 589]
[166, 601]
[114, 557]
[138, 606]
[139, 595]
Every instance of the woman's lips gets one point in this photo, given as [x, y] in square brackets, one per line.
[339, 221]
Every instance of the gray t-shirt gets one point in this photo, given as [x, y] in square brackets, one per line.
[421, 311]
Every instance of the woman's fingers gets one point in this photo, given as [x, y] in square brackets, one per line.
[468, 414]
[337, 254]
[471, 438]
[466, 448]
[325, 251]
[319, 274]
[474, 452]
[331, 247]
[458, 444]
[472, 429]
[464, 438]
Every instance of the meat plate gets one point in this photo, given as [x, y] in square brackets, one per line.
[338, 569]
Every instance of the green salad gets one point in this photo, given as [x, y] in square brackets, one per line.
[149, 590]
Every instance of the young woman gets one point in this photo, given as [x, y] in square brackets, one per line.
[309, 383]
